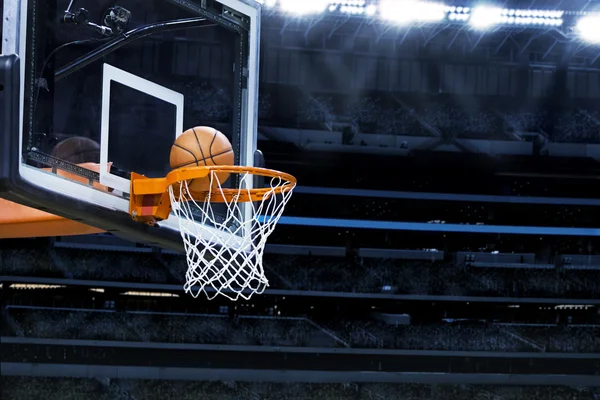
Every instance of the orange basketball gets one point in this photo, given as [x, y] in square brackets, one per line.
[199, 146]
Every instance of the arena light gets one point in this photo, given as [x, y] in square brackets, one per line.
[457, 10]
[352, 10]
[531, 17]
[150, 294]
[352, 7]
[304, 7]
[35, 286]
[458, 14]
[484, 17]
[407, 11]
[588, 28]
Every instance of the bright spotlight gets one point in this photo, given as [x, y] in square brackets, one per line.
[588, 28]
[371, 9]
[303, 7]
[407, 11]
[484, 17]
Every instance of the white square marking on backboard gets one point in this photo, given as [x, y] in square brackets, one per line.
[113, 74]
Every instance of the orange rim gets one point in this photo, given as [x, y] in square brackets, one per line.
[150, 199]
[219, 195]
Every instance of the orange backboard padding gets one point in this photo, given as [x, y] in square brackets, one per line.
[19, 221]
[74, 177]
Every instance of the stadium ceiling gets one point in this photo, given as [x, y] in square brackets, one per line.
[580, 21]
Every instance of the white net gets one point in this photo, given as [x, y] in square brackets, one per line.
[225, 250]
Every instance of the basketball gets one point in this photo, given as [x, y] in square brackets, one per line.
[200, 146]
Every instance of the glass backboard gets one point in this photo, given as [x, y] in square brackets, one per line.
[107, 86]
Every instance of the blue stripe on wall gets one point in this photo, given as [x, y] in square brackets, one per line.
[421, 226]
[445, 196]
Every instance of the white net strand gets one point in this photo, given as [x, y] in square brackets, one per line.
[225, 254]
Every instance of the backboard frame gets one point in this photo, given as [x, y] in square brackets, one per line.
[45, 191]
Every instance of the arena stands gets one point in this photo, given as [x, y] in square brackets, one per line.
[371, 275]
[211, 99]
[172, 327]
[493, 337]
[115, 389]
[505, 277]
[435, 115]
[404, 116]
[82, 264]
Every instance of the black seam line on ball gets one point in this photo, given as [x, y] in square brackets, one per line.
[211, 145]
[200, 147]
[189, 151]
[196, 162]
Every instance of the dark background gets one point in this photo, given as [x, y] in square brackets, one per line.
[483, 144]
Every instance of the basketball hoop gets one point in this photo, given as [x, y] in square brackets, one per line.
[224, 250]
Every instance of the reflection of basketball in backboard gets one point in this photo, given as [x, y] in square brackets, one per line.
[83, 152]
[77, 150]
[202, 146]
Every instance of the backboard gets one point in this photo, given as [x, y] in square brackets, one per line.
[95, 90]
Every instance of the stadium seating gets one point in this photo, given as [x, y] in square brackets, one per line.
[363, 275]
[493, 337]
[156, 327]
[113, 389]
[418, 277]
[406, 117]
[382, 115]
[300, 332]
[211, 100]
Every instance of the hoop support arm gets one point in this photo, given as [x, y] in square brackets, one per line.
[149, 200]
